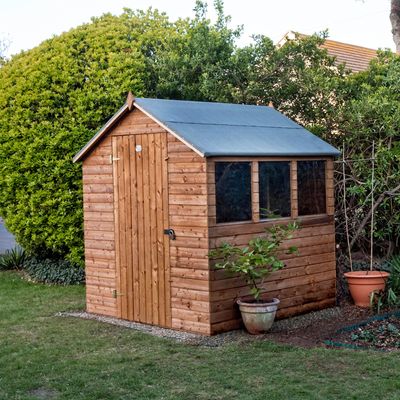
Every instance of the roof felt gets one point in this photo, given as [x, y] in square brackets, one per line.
[221, 129]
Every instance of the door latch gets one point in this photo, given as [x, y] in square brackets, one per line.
[171, 233]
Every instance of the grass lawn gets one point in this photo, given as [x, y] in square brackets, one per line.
[48, 357]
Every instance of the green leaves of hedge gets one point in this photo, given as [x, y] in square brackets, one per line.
[52, 100]
[54, 97]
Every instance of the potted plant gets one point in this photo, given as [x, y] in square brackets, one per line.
[254, 263]
[363, 284]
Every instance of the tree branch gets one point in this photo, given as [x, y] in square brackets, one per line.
[371, 211]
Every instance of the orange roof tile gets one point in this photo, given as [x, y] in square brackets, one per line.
[356, 58]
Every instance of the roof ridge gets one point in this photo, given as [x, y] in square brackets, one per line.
[247, 126]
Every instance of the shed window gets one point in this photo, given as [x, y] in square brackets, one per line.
[311, 187]
[274, 188]
[233, 191]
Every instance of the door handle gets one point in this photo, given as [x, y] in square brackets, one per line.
[171, 233]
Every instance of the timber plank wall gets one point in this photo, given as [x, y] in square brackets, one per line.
[199, 298]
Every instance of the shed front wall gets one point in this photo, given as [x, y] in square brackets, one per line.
[186, 265]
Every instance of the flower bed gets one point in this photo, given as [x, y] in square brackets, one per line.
[380, 332]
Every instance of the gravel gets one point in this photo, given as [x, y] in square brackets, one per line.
[237, 336]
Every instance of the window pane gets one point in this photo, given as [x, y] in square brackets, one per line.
[311, 187]
[274, 189]
[233, 191]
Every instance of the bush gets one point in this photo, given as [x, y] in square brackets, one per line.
[13, 259]
[258, 259]
[54, 97]
[390, 296]
[59, 272]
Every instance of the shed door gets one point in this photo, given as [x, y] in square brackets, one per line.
[141, 215]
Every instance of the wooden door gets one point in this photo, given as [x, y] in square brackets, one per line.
[141, 215]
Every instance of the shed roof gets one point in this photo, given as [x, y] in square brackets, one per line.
[222, 129]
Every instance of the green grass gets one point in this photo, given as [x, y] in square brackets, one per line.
[67, 358]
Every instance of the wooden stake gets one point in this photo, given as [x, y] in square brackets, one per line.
[372, 204]
[345, 210]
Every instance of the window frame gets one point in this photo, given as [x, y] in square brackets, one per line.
[255, 203]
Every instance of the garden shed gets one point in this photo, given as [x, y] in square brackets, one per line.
[166, 181]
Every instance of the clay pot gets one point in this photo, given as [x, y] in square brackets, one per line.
[363, 283]
[258, 317]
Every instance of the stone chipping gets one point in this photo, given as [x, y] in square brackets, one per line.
[194, 339]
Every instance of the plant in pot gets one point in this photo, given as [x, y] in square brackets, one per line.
[254, 263]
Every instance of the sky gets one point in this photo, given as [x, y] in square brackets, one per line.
[26, 23]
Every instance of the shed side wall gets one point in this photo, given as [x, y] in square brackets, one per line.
[99, 230]
[308, 282]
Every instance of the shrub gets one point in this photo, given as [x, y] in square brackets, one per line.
[13, 259]
[59, 272]
[257, 260]
[54, 97]
[390, 296]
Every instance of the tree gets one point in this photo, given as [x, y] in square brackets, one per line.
[57, 95]
[395, 21]
[371, 113]
[299, 78]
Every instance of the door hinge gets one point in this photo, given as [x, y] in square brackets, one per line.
[113, 159]
[115, 294]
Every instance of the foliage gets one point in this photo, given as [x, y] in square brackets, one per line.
[196, 64]
[15, 258]
[380, 334]
[55, 96]
[390, 296]
[4, 44]
[372, 112]
[299, 78]
[257, 260]
[58, 272]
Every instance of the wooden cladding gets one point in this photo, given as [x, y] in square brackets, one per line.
[307, 282]
[188, 210]
[99, 230]
[141, 215]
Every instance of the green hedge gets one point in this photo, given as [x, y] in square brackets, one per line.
[54, 97]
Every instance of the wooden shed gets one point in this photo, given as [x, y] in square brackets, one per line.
[166, 181]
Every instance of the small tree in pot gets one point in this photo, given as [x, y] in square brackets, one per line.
[254, 263]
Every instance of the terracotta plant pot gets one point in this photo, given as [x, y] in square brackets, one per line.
[258, 317]
[363, 283]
